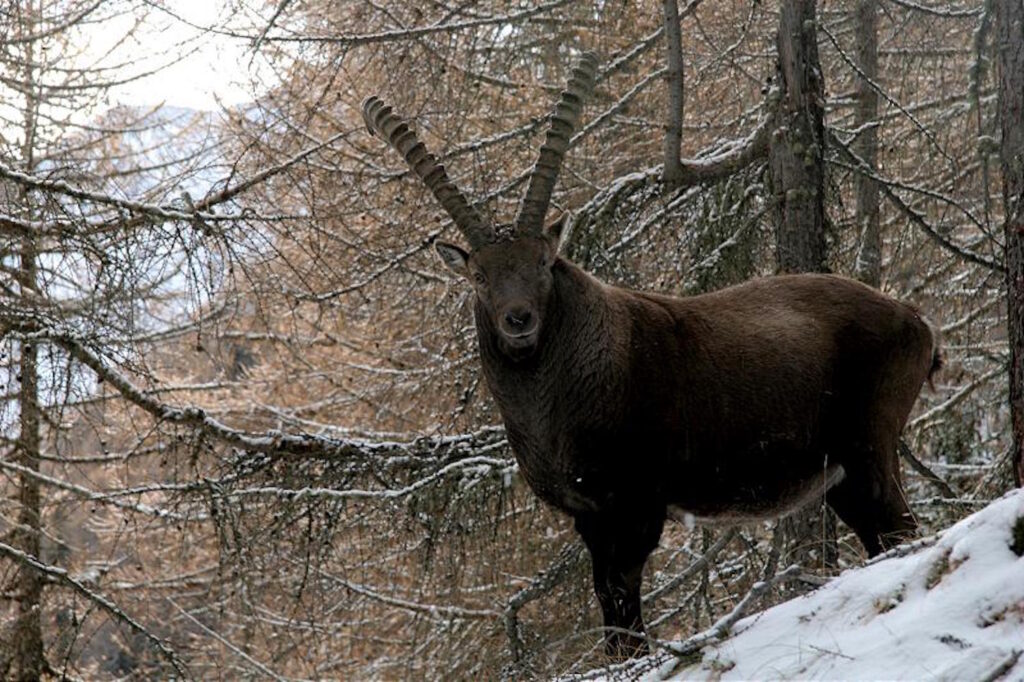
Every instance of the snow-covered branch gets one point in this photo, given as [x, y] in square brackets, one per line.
[61, 577]
[856, 164]
[273, 442]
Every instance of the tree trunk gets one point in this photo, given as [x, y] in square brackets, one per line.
[672, 172]
[797, 179]
[868, 268]
[27, 632]
[1010, 42]
[27, 659]
[795, 155]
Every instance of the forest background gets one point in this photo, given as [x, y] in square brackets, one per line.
[242, 427]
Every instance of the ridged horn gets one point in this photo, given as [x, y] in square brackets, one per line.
[381, 120]
[564, 118]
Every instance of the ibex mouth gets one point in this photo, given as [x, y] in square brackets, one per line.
[519, 328]
[522, 336]
[520, 346]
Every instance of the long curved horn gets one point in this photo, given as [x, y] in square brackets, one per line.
[564, 118]
[381, 119]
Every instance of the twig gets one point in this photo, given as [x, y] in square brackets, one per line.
[724, 625]
[1002, 667]
[435, 610]
[61, 576]
[541, 584]
[858, 165]
[698, 565]
[680, 651]
[904, 549]
[944, 12]
[922, 468]
[394, 35]
[957, 397]
[878, 88]
[223, 640]
[282, 5]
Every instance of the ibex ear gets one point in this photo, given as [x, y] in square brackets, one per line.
[454, 257]
[558, 229]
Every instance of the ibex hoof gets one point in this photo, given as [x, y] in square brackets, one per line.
[621, 646]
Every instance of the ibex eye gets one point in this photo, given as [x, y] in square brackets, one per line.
[479, 277]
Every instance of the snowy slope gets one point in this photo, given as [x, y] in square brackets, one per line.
[953, 610]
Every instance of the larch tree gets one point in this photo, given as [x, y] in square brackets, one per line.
[78, 269]
[24, 639]
[868, 266]
[797, 170]
[1010, 50]
[103, 253]
[268, 405]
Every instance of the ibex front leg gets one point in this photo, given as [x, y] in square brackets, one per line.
[619, 544]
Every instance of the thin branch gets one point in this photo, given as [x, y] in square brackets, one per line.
[723, 627]
[200, 211]
[542, 584]
[223, 640]
[270, 24]
[945, 12]
[956, 398]
[878, 88]
[61, 576]
[673, 172]
[391, 36]
[446, 612]
[856, 164]
[922, 468]
[694, 568]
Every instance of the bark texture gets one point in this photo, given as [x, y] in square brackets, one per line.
[1010, 45]
[673, 170]
[27, 658]
[796, 163]
[27, 632]
[869, 257]
[795, 155]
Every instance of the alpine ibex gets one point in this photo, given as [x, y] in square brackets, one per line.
[624, 407]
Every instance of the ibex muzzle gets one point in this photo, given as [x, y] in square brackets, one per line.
[623, 406]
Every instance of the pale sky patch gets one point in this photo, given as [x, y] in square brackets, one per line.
[216, 70]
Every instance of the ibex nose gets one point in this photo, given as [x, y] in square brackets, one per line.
[518, 320]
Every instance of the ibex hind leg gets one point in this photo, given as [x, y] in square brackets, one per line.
[870, 500]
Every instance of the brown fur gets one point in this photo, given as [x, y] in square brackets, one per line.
[735, 405]
[622, 405]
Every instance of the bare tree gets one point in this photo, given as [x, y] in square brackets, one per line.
[673, 169]
[261, 391]
[25, 639]
[98, 233]
[868, 267]
[1010, 47]
[796, 156]
[796, 162]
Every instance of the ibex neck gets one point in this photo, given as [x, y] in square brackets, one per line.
[572, 348]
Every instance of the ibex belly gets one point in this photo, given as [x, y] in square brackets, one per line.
[745, 506]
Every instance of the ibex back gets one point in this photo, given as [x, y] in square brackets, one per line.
[624, 408]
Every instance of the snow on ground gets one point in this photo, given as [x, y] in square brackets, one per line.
[953, 610]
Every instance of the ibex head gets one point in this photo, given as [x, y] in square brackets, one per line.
[512, 276]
